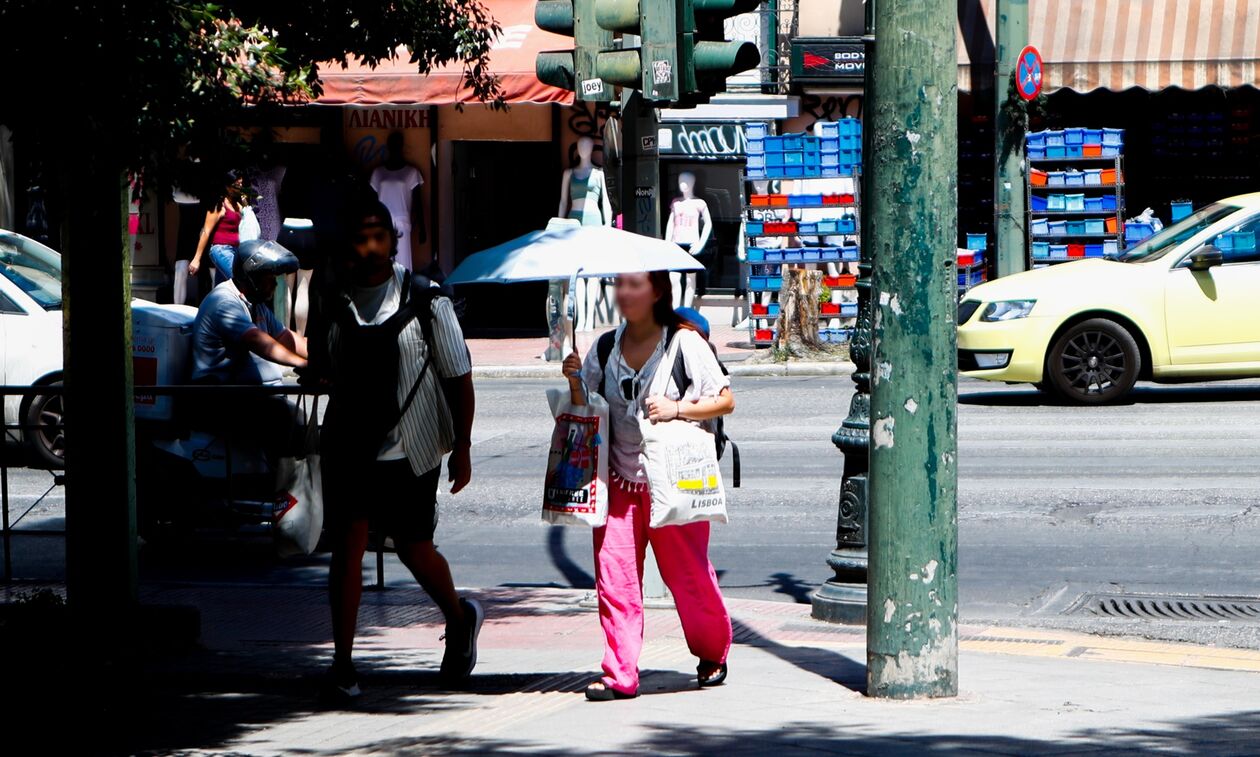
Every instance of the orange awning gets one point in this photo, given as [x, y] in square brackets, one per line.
[511, 59]
[1118, 44]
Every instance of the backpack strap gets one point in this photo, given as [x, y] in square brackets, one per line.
[603, 350]
[419, 296]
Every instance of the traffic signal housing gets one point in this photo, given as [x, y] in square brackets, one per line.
[710, 57]
[573, 69]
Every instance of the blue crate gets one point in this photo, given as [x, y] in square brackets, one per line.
[1095, 203]
[755, 147]
[774, 283]
[1058, 252]
[757, 283]
[810, 142]
[755, 130]
[756, 173]
[1054, 138]
[1108, 202]
[1074, 203]
[1073, 179]
[811, 255]
[1056, 151]
[1039, 227]
[773, 144]
[774, 160]
[1035, 139]
[1037, 153]
[1109, 151]
[804, 200]
[1038, 203]
[1073, 136]
[794, 158]
[1111, 247]
[1056, 178]
[772, 310]
[1092, 177]
[837, 172]
[793, 142]
[849, 254]
[848, 310]
[1056, 203]
[1057, 228]
[755, 254]
[830, 144]
[978, 242]
[1136, 231]
[1092, 136]
[1095, 226]
[754, 229]
[1073, 227]
[851, 142]
[1040, 250]
[1093, 251]
[808, 229]
[850, 157]
[1236, 241]
[794, 172]
[828, 227]
[1075, 151]
[827, 129]
[1179, 210]
[846, 225]
[812, 156]
[793, 255]
[756, 162]
[813, 171]
[830, 160]
[970, 279]
[774, 256]
[1113, 137]
[850, 126]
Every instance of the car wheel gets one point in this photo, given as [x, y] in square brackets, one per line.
[1094, 362]
[43, 430]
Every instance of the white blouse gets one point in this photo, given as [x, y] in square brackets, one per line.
[707, 380]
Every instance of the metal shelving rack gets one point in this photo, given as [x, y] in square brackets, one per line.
[1115, 189]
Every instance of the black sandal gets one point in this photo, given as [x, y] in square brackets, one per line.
[602, 692]
[711, 673]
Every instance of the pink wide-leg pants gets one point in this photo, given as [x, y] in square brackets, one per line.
[682, 552]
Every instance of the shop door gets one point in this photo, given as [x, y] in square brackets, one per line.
[1213, 316]
[502, 190]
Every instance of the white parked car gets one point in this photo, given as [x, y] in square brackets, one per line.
[31, 344]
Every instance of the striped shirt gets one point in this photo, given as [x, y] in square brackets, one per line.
[426, 432]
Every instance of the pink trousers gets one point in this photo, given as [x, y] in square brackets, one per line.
[682, 552]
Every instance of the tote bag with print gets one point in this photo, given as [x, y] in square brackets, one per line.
[681, 461]
[576, 489]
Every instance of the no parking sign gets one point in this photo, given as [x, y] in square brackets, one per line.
[1028, 73]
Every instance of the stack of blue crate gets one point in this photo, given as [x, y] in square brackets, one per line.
[834, 150]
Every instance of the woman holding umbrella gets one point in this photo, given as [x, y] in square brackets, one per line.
[645, 301]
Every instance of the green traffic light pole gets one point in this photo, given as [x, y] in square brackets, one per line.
[1009, 125]
[842, 598]
[912, 607]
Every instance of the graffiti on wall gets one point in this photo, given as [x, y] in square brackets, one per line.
[704, 140]
[587, 119]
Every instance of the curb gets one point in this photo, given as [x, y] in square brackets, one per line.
[756, 370]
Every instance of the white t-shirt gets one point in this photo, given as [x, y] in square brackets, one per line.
[707, 380]
[394, 187]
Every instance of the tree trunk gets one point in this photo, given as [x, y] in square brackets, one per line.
[798, 313]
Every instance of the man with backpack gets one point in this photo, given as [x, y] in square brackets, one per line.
[402, 397]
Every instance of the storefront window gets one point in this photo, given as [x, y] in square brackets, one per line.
[719, 185]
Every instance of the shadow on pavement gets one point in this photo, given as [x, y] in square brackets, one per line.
[575, 574]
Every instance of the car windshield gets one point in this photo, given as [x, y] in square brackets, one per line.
[33, 268]
[1172, 236]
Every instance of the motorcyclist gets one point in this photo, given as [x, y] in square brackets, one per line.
[237, 339]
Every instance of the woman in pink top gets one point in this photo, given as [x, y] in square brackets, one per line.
[221, 232]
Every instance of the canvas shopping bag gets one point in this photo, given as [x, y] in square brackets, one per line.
[298, 515]
[681, 461]
[576, 489]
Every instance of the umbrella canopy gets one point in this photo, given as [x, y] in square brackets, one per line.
[562, 253]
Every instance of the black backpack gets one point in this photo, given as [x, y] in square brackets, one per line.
[603, 350]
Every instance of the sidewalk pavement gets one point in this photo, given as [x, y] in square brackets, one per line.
[795, 687]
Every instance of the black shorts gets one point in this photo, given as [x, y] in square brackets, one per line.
[396, 502]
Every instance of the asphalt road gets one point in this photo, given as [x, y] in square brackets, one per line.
[1158, 496]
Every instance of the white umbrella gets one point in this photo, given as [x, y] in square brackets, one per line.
[569, 252]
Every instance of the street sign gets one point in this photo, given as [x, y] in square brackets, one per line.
[1028, 73]
[829, 59]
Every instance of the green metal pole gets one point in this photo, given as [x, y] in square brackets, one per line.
[912, 611]
[842, 598]
[640, 167]
[1010, 122]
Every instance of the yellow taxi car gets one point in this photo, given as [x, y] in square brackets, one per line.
[1182, 305]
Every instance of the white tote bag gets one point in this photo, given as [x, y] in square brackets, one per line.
[248, 228]
[298, 516]
[576, 489]
[681, 462]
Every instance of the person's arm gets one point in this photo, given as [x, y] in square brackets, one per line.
[564, 194]
[462, 400]
[573, 372]
[203, 239]
[669, 225]
[711, 383]
[295, 343]
[706, 226]
[268, 347]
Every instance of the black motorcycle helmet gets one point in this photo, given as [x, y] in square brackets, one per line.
[257, 260]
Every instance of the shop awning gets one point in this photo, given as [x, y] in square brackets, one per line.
[511, 58]
[1118, 44]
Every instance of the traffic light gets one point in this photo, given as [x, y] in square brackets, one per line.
[573, 69]
[709, 58]
[651, 67]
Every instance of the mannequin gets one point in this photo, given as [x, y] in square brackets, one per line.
[397, 183]
[689, 226]
[584, 198]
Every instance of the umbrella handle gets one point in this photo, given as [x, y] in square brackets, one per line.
[570, 305]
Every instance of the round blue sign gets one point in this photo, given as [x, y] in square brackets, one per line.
[1028, 73]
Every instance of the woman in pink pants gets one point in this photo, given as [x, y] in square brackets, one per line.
[682, 552]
